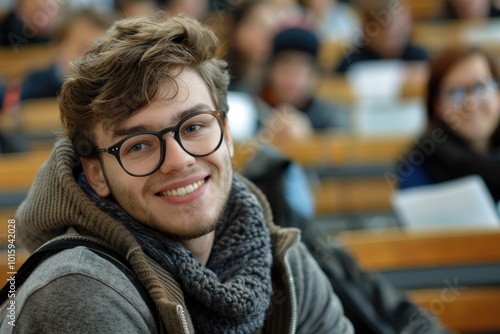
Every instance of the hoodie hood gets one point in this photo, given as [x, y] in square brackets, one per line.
[56, 202]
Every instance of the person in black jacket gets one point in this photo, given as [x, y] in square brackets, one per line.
[385, 35]
[29, 22]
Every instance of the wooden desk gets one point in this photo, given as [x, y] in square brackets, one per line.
[341, 195]
[18, 170]
[337, 89]
[436, 36]
[332, 149]
[425, 9]
[38, 119]
[461, 306]
[40, 116]
[15, 64]
[397, 248]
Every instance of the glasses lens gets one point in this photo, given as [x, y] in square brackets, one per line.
[485, 89]
[140, 154]
[201, 134]
[457, 95]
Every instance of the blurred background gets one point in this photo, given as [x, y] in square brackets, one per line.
[373, 122]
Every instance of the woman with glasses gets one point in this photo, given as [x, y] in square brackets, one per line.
[463, 137]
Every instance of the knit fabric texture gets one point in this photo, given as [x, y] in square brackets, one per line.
[232, 292]
[56, 202]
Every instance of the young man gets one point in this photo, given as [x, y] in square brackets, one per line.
[145, 114]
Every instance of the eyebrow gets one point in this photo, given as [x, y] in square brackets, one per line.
[125, 131]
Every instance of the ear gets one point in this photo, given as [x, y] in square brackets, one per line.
[228, 139]
[95, 175]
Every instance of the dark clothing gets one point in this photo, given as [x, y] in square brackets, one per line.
[14, 32]
[451, 158]
[41, 84]
[371, 303]
[410, 53]
[13, 143]
[324, 115]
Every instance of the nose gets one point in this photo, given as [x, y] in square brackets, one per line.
[176, 159]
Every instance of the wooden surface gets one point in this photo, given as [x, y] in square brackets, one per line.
[16, 63]
[460, 308]
[40, 115]
[341, 195]
[18, 170]
[333, 149]
[5, 215]
[349, 195]
[352, 195]
[425, 9]
[397, 249]
[435, 36]
[464, 310]
[337, 89]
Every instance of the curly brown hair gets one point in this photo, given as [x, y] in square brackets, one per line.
[122, 73]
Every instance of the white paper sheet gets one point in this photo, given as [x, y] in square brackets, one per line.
[462, 202]
[242, 115]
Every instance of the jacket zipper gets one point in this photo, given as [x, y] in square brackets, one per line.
[182, 316]
[293, 292]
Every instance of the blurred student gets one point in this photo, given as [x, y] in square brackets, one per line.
[29, 22]
[135, 8]
[463, 136]
[370, 301]
[333, 20]
[250, 44]
[74, 35]
[290, 89]
[385, 35]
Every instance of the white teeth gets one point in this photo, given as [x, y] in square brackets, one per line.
[182, 191]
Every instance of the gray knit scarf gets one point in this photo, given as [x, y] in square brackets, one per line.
[232, 292]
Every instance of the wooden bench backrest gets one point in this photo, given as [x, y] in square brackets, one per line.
[396, 249]
[17, 62]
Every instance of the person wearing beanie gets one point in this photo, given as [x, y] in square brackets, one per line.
[290, 88]
[385, 36]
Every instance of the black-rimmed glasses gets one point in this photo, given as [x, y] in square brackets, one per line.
[142, 153]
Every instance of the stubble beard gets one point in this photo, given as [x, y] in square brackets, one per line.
[195, 228]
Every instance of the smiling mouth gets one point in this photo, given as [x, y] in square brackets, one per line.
[182, 191]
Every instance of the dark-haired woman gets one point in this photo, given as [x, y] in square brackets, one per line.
[463, 136]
